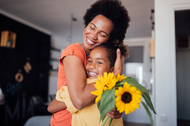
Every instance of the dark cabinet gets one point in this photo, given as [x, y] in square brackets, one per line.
[24, 71]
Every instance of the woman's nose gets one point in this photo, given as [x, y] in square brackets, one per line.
[94, 35]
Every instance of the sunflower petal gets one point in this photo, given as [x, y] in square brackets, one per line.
[129, 105]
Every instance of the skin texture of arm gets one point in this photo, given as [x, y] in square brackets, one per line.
[56, 106]
[75, 76]
[118, 67]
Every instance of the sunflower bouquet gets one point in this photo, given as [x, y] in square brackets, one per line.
[122, 92]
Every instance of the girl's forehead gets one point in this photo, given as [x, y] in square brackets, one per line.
[99, 49]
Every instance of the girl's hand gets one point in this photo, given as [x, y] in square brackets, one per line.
[118, 68]
[56, 106]
[114, 114]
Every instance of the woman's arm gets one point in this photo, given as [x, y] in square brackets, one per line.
[75, 75]
[118, 67]
[56, 106]
[80, 93]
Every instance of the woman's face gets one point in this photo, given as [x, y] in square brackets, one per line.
[98, 63]
[97, 32]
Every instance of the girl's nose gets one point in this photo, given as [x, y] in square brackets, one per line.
[92, 65]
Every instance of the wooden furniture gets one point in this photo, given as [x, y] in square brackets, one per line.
[8, 39]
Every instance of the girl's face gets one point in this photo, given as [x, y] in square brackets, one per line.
[97, 32]
[98, 63]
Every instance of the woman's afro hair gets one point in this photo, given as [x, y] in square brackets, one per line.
[114, 11]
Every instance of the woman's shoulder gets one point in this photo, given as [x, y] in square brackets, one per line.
[74, 46]
[74, 49]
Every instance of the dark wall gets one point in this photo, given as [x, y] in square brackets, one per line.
[32, 46]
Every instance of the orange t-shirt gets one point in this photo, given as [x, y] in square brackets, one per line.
[64, 117]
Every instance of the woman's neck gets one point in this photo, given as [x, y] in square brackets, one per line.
[86, 51]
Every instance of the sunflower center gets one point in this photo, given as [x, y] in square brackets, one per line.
[126, 97]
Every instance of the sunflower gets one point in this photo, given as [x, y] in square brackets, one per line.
[100, 87]
[103, 83]
[127, 98]
[120, 77]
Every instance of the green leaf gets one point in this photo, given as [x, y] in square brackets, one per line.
[148, 101]
[133, 82]
[148, 113]
[144, 91]
[118, 85]
[106, 103]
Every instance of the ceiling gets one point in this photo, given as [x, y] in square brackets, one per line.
[55, 15]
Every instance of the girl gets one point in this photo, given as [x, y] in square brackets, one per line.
[101, 59]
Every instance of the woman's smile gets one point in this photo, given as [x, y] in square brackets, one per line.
[88, 41]
[97, 32]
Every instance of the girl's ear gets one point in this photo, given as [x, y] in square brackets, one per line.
[112, 69]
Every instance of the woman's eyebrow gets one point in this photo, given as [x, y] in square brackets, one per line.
[101, 30]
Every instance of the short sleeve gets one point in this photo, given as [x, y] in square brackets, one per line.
[73, 49]
[63, 96]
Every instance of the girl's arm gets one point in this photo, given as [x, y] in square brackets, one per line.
[75, 75]
[56, 106]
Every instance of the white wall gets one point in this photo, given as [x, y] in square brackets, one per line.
[165, 67]
[61, 42]
[140, 115]
[58, 42]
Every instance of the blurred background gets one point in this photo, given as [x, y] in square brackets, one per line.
[37, 32]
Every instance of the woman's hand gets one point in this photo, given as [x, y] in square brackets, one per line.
[114, 114]
[118, 68]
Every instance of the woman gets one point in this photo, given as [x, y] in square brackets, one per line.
[104, 20]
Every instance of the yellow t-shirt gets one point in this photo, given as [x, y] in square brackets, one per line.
[88, 116]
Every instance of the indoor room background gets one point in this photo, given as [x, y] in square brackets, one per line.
[158, 40]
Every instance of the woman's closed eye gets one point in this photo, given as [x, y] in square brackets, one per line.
[103, 34]
[92, 27]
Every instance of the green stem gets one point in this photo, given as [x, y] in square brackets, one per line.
[110, 122]
[105, 120]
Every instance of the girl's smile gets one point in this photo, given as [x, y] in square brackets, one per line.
[98, 63]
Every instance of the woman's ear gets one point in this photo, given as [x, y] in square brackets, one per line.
[112, 69]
